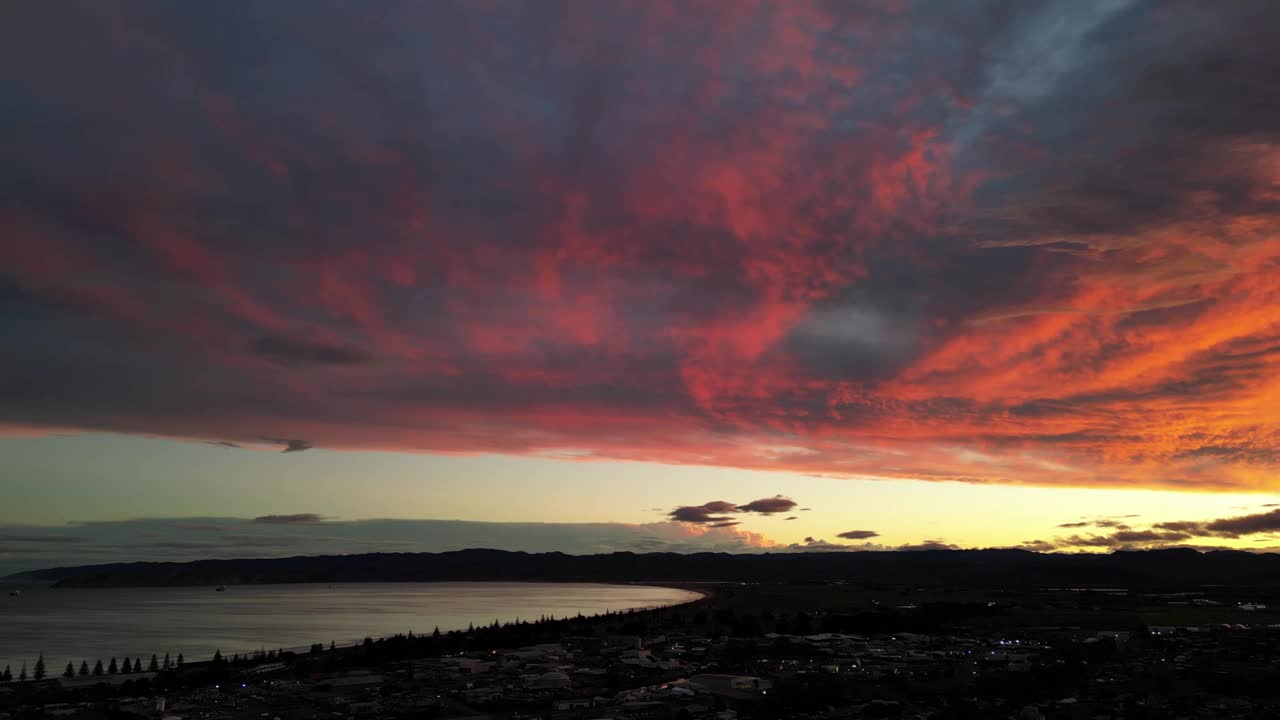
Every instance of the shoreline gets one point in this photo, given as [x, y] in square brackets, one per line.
[694, 593]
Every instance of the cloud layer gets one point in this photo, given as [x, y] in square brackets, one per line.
[992, 241]
[1262, 527]
[31, 547]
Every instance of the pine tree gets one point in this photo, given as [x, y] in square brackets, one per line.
[332, 647]
[217, 655]
[84, 668]
[125, 667]
[436, 634]
[38, 673]
[113, 668]
[7, 675]
[70, 672]
[155, 664]
[166, 661]
[97, 669]
[180, 660]
[22, 675]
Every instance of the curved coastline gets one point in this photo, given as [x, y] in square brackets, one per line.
[698, 596]
[294, 616]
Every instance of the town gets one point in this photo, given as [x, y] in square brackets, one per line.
[820, 651]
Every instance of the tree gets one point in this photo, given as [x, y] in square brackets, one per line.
[155, 664]
[180, 660]
[84, 668]
[22, 675]
[113, 668]
[7, 675]
[217, 656]
[70, 672]
[125, 667]
[166, 661]
[436, 634]
[97, 669]
[39, 671]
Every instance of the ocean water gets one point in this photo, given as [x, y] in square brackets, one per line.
[73, 624]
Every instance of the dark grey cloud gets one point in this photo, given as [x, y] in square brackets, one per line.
[720, 512]
[1166, 533]
[1147, 536]
[1179, 525]
[295, 519]
[768, 506]
[858, 534]
[697, 514]
[290, 445]
[303, 353]
[1245, 524]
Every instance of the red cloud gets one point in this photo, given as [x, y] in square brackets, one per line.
[799, 236]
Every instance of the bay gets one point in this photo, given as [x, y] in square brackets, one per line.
[74, 624]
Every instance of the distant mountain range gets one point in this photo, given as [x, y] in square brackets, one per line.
[971, 568]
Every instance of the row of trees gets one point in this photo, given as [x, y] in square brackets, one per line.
[256, 656]
[112, 668]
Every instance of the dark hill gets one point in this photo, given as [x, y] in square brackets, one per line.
[972, 568]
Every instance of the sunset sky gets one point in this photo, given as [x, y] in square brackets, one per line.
[641, 275]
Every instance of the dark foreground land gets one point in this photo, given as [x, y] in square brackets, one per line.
[768, 650]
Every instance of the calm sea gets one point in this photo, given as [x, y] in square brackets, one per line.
[87, 624]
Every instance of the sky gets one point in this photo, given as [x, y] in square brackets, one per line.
[599, 276]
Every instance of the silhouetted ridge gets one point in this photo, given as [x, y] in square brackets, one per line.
[1011, 568]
